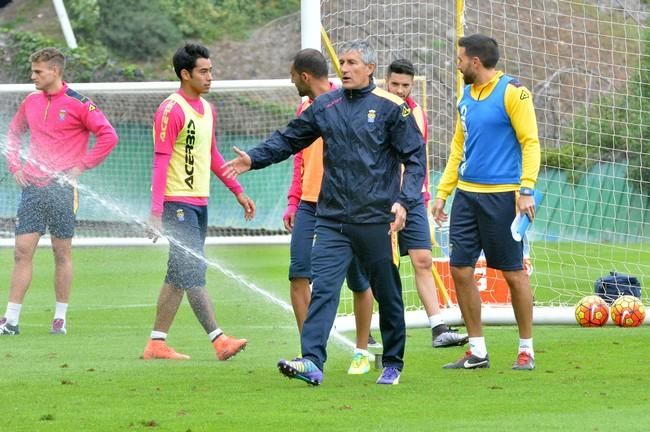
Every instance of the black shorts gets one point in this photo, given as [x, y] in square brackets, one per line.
[481, 221]
[53, 207]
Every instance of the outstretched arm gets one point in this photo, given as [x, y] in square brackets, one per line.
[217, 167]
[301, 132]
[238, 165]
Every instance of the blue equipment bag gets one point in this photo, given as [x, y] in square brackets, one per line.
[611, 287]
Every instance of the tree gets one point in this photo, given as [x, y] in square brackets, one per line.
[137, 29]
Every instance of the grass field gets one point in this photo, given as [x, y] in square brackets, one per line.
[94, 380]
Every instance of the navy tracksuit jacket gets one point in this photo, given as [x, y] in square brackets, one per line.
[367, 133]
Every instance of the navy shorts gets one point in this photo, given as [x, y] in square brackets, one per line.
[416, 233]
[481, 221]
[302, 241]
[52, 206]
[186, 226]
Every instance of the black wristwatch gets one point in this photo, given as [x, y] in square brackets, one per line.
[526, 191]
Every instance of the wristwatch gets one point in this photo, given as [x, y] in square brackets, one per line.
[526, 191]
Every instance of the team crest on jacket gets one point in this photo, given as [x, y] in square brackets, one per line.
[180, 215]
[406, 111]
[371, 115]
[61, 115]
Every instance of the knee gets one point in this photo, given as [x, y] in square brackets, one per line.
[516, 280]
[462, 275]
[62, 256]
[422, 262]
[23, 254]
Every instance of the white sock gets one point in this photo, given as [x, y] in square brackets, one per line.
[60, 311]
[157, 335]
[477, 346]
[361, 351]
[436, 320]
[526, 345]
[215, 334]
[13, 313]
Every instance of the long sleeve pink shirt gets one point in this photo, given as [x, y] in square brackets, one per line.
[163, 149]
[60, 125]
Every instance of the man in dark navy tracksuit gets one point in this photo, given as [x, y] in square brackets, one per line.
[367, 133]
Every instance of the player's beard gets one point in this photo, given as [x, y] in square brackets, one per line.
[468, 78]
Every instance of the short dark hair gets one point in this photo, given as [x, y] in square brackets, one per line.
[185, 57]
[311, 61]
[481, 46]
[401, 66]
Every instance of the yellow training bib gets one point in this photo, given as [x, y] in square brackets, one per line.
[189, 168]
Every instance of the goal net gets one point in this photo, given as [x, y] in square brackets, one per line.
[587, 64]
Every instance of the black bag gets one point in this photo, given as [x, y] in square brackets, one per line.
[611, 287]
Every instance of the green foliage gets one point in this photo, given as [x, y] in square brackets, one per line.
[147, 30]
[83, 64]
[137, 30]
[613, 127]
[239, 16]
[569, 157]
[84, 15]
[193, 18]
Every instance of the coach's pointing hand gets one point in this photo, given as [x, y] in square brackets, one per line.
[238, 165]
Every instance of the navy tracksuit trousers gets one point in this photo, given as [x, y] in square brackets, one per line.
[334, 246]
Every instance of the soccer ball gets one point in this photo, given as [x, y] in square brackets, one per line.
[628, 311]
[592, 311]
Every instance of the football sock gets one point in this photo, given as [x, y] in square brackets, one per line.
[158, 335]
[60, 311]
[435, 320]
[477, 346]
[526, 345]
[13, 313]
[214, 334]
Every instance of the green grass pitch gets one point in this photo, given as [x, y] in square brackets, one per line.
[94, 380]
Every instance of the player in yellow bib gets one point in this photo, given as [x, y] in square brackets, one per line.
[185, 152]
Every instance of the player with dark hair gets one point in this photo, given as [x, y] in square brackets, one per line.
[309, 75]
[493, 164]
[415, 238]
[59, 121]
[185, 151]
[367, 134]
